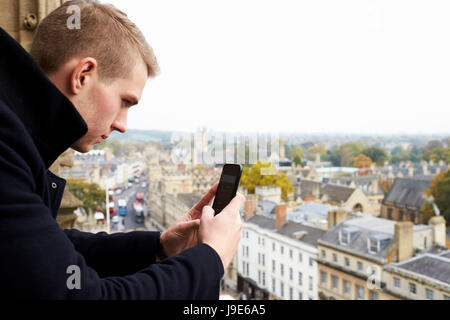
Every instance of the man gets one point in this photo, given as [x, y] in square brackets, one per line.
[87, 80]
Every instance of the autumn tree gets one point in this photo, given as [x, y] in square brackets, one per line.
[316, 149]
[362, 161]
[252, 177]
[440, 191]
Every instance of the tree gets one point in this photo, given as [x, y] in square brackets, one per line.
[252, 177]
[317, 149]
[433, 144]
[90, 194]
[297, 155]
[437, 154]
[440, 190]
[362, 161]
[378, 155]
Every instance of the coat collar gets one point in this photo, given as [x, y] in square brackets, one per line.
[50, 118]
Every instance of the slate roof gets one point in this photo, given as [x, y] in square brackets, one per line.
[367, 227]
[334, 192]
[311, 234]
[407, 192]
[429, 265]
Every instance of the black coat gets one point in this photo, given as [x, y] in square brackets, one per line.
[37, 124]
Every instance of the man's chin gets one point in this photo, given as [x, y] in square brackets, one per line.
[82, 148]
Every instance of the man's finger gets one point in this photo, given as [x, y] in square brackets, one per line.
[207, 213]
[236, 203]
[190, 224]
[207, 197]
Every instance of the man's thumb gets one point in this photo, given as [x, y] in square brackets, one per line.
[207, 213]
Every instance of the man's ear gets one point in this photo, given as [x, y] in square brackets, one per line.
[83, 73]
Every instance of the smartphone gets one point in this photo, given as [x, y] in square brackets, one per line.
[228, 185]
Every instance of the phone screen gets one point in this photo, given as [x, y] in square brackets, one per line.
[227, 188]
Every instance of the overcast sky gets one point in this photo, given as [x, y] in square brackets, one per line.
[296, 66]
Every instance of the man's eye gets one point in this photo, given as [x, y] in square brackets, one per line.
[126, 102]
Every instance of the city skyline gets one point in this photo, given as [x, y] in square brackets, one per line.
[349, 68]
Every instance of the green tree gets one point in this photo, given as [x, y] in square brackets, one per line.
[440, 190]
[90, 193]
[437, 154]
[297, 155]
[378, 155]
[252, 177]
[433, 144]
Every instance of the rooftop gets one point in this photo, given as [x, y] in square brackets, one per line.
[430, 265]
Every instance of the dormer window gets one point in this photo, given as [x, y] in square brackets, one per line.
[374, 245]
[346, 235]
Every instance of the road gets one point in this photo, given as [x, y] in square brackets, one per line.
[128, 223]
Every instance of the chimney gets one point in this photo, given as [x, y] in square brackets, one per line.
[404, 240]
[335, 217]
[249, 208]
[316, 190]
[280, 215]
[437, 223]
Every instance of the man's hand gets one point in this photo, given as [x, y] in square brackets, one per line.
[223, 232]
[183, 234]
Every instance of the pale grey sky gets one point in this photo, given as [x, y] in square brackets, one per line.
[296, 66]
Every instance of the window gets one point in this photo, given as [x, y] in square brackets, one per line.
[324, 254]
[264, 278]
[373, 295]
[412, 288]
[259, 258]
[291, 274]
[273, 266]
[373, 246]
[263, 242]
[425, 242]
[259, 240]
[334, 257]
[248, 267]
[243, 267]
[323, 278]
[246, 248]
[259, 276]
[273, 285]
[263, 259]
[281, 269]
[243, 250]
[282, 289]
[291, 293]
[346, 287]
[310, 283]
[273, 246]
[311, 262]
[360, 266]
[282, 249]
[344, 237]
[429, 294]
[347, 262]
[359, 292]
[335, 282]
[300, 295]
[300, 257]
[397, 282]
[300, 278]
[290, 253]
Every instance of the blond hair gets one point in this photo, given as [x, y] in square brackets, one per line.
[105, 33]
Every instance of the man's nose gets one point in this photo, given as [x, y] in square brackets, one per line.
[120, 123]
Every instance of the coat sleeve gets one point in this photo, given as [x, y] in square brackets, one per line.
[116, 254]
[39, 260]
